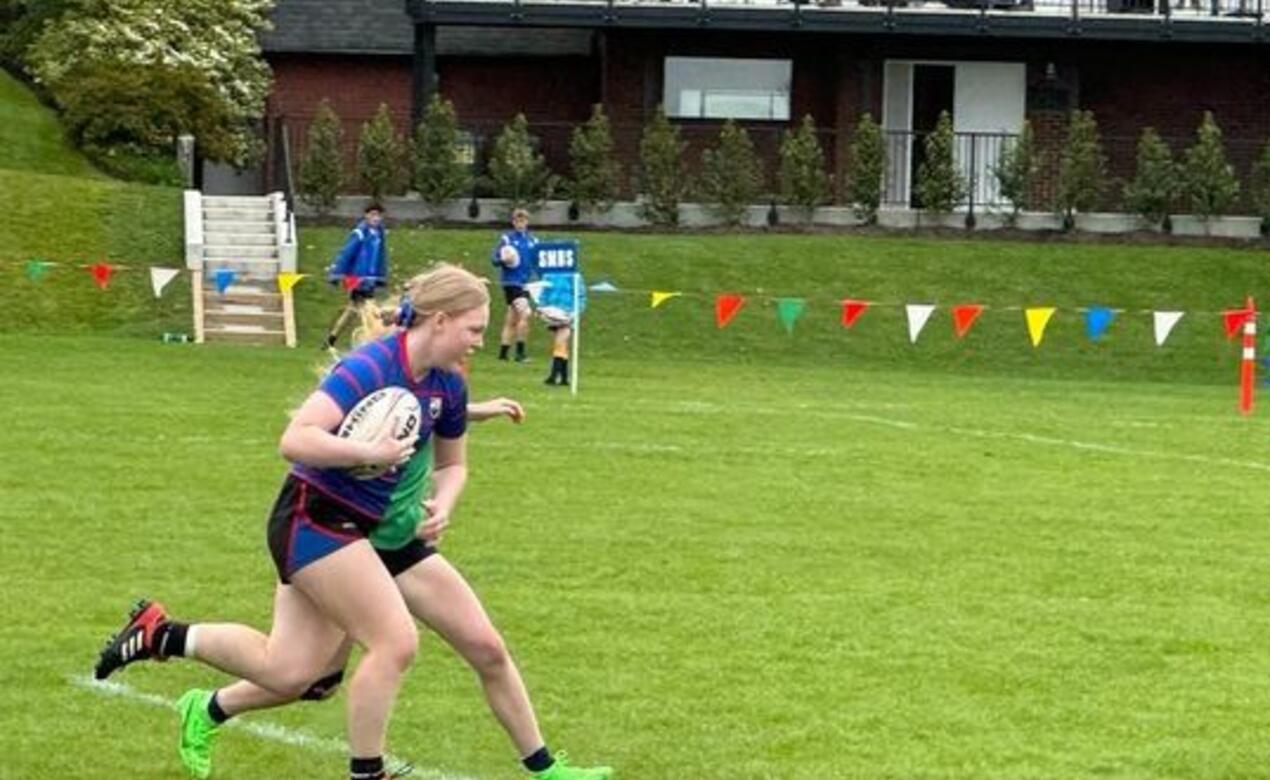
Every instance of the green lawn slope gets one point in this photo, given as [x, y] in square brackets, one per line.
[55, 207]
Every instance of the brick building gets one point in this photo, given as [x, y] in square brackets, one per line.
[767, 63]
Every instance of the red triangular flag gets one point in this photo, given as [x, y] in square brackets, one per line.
[851, 311]
[964, 317]
[351, 282]
[1235, 319]
[101, 273]
[726, 307]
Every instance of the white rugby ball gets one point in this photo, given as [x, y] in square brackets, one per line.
[555, 316]
[509, 256]
[394, 409]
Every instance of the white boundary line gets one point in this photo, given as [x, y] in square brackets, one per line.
[270, 732]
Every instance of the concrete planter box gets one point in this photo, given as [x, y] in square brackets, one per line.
[796, 216]
[1107, 223]
[900, 219]
[1217, 227]
[1038, 220]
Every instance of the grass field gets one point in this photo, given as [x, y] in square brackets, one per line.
[737, 554]
[706, 570]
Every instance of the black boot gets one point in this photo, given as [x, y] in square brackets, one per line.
[557, 375]
[502, 351]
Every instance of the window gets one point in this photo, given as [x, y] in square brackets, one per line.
[714, 88]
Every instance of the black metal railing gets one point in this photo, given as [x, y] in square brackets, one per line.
[283, 174]
[1181, 9]
[976, 157]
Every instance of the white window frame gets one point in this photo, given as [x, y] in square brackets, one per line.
[672, 102]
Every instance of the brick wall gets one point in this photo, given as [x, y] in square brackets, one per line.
[1127, 85]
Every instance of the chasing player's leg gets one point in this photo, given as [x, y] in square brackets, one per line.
[438, 595]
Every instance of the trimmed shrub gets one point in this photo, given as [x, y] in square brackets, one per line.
[1207, 177]
[731, 174]
[439, 172]
[517, 171]
[865, 169]
[597, 176]
[1082, 169]
[1155, 182]
[804, 182]
[381, 155]
[662, 178]
[1016, 170]
[322, 169]
[940, 186]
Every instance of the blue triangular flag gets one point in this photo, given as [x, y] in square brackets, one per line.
[1097, 320]
[224, 278]
[603, 287]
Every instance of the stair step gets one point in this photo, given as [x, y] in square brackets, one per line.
[236, 238]
[238, 253]
[236, 200]
[265, 321]
[237, 215]
[213, 300]
[251, 227]
[241, 335]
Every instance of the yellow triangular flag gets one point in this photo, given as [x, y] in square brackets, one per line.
[1037, 319]
[287, 280]
[660, 297]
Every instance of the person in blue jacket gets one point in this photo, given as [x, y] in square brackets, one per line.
[514, 256]
[364, 256]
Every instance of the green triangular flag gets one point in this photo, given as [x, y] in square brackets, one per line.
[36, 268]
[788, 310]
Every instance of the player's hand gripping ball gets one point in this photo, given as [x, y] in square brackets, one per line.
[509, 256]
[393, 411]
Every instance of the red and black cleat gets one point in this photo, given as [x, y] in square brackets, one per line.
[135, 642]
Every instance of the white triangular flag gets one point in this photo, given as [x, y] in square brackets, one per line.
[1164, 322]
[535, 290]
[159, 278]
[918, 314]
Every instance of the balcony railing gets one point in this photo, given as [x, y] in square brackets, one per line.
[1234, 11]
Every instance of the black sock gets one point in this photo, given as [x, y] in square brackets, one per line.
[215, 712]
[502, 351]
[520, 349]
[538, 760]
[564, 371]
[366, 768]
[169, 639]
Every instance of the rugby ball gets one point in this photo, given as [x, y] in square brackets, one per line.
[555, 316]
[509, 256]
[394, 409]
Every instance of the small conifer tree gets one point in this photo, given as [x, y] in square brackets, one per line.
[804, 182]
[517, 171]
[731, 174]
[597, 176]
[1155, 182]
[439, 174]
[322, 169]
[380, 154]
[1016, 170]
[1261, 187]
[1209, 179]
[662, 179]
[865, 169]
[940, 186]
[1082, 169]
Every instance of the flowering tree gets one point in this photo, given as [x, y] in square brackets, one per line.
[217, 38]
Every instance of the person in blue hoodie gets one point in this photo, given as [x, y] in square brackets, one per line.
[364, 256]
[514, 257]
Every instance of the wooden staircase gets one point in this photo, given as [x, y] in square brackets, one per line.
[241, 234]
